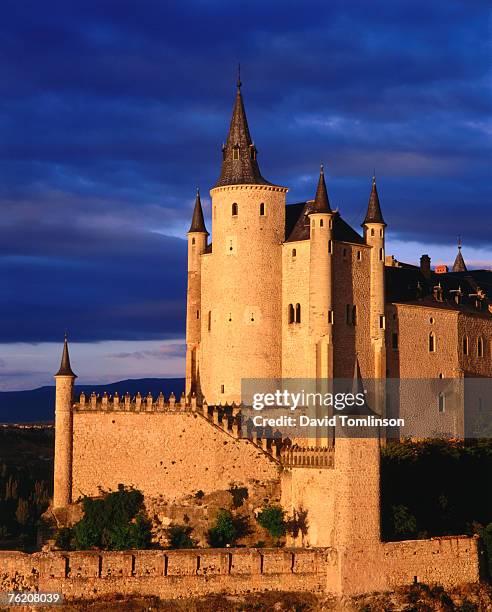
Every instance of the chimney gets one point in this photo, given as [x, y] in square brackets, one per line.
[425, 266]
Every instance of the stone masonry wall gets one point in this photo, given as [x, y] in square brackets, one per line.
[162, 454]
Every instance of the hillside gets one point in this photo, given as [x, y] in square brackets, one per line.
[38, 405]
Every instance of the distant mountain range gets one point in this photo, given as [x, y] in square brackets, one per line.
[38, 405]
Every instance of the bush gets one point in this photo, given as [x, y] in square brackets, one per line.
[227, 529]
[114, 522]
[272, 518]
[64, 539]
[404, 523]
[180, 536]
[239, 494]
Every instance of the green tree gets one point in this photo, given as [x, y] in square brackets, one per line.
[224, 532]
[272, 518]
[179, 536]
[404, 523]
[116, 521]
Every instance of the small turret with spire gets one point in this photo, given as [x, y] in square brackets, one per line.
[321, 201]
[65, 368]
[197, 221]
[374, 214]
[459, 263]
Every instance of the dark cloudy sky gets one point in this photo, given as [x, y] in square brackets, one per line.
[113, 111]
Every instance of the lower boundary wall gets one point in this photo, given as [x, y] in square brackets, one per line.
[175, 574]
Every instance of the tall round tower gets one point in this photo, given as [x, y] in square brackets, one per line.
[241, 277]
[197, 244]
[374, 235]
[64, 381]
[321, 284]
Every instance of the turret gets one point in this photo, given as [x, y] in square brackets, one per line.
[459, 263]
[374, 229]
[197, 244]
[321, 283]
[64, 381]
[241, 277]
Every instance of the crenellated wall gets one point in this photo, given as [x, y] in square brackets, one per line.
[193, 573]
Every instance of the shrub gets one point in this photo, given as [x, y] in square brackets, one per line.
[227, 529]
[272, 518]
[180, 536]
[114, 522]
[239, 494]
[64, 539]
[404, 523]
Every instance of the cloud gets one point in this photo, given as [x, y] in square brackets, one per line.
[163, 352]
[110, 117]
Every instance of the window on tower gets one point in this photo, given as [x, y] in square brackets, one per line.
[480, 347]
[235, 152]
[298, 313]
[234, 209]
[262, 209]
[432, 343]
[291, 314]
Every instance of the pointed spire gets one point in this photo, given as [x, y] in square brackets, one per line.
[374, 214]
[321, 202]
[239, 164]
[459, 263]
[65, 368]
[197, 221]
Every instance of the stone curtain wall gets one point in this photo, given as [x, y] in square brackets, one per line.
[174, 574]
[161, 453]
[169, 574]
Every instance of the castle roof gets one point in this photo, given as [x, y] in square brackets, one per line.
[197, 221]
[298, 227]
[239, 163]
[65, 368]
[452, 291]
[321, 202]
[374, 214]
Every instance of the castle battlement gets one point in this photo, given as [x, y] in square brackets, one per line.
[136, 403]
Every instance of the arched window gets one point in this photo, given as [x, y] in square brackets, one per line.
[372, 232]
[262, 209]
[321, 222]
[330, 247]
[234, 209]
[298, 313]
[441, 402]
[192, 241]
[465, 345]
[381, 254]
[432, 343]
[291, 314]
[480, 347]
[294, 253]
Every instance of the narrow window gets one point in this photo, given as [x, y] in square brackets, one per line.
[234, 209]
[432, 343]
[222, 388]
[394, 341]
[359, 255]
[441, 402]
[381, 254]
[381, 321]
[372, 232]
[321, 222]
[381, 232]
[262, 209]
[354, 315]
[330, 247]
[197, 314]
[298, 313]
[294, 253]
[215, 212]
[209, 320]
[291, 313]
[252, 152]
[330, 316]
[465, 345]
[192, 241]
[480, 347]
[235, 152]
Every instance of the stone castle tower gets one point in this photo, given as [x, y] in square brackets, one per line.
[277, 282]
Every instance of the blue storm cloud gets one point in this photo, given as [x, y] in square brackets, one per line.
[112, 111]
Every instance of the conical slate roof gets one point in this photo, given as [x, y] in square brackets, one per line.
[239, 164]
[65, 367]
[197, 221]
[374, 214]
[321, 202]
[459, 263]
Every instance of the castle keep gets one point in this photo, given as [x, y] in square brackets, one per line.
[283, 292]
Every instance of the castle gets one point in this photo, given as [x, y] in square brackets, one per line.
[285, 292]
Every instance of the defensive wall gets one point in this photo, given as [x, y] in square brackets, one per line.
[184, 573]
